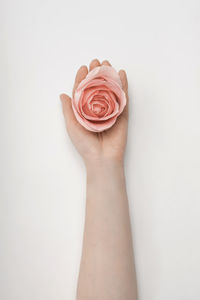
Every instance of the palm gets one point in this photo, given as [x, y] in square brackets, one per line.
[110, 143]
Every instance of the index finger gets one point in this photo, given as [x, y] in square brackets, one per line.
[80, 75]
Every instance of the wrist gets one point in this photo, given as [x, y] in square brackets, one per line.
[104, 164]
[105, 175]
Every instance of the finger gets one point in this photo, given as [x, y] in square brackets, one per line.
[72, 125]
[124, 81]
[80, 75]
[106, 63]
[94, 63]
[67, 109]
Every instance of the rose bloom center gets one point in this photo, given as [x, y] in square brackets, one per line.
[98, 106]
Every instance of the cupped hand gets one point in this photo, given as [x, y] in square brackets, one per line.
[101, 146]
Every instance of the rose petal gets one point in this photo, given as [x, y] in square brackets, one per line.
[105, 72]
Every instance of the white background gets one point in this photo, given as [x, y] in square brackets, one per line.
[43, 43]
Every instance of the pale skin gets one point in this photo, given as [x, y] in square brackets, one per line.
[107, 269]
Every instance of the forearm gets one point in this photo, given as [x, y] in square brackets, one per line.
[107, 265]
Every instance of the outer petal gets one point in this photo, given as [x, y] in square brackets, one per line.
[107, 72]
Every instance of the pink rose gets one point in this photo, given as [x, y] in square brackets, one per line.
[99, 99]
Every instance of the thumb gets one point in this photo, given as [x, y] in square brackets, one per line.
[67, 109]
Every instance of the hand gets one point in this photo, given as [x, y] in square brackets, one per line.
[107, 145]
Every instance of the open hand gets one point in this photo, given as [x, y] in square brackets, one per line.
[92, 146]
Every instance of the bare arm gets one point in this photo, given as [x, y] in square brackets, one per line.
[107, 268]
[107, 263]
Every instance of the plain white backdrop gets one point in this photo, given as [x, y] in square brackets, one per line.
[42, 192]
